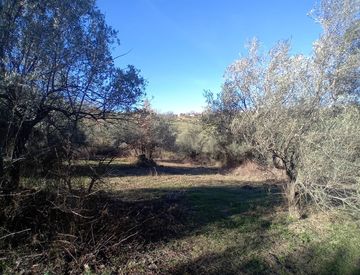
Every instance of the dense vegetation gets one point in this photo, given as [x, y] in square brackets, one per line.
[80, 146]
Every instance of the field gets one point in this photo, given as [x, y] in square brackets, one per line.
[225, 224]
[188, 219]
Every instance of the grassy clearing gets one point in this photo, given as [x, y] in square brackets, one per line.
[236, 226]
[193, 220]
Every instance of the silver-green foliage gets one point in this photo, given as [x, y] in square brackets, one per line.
[303, 110]
[194, 141]
[56, 68]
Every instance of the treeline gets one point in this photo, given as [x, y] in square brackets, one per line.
[147, 134]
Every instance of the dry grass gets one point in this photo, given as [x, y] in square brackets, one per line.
[251, 171]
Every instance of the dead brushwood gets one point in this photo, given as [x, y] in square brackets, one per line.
[72, 231]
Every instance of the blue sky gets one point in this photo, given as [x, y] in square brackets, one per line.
[183, 47]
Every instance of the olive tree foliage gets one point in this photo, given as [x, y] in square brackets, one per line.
[196, 142]
[302, 111]
[56, 69]
[228, 147]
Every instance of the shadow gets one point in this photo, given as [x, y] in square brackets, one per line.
[339, 264]
[217, 205]
[324, 258]
[236, 260]
[260, 255]
[122, 170]
[231, 261]
[171, 161]
[118, 225]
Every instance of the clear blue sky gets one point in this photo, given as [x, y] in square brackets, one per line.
[183, 47]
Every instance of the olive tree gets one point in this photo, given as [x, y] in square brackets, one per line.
[276, 109]
[194, 142]
[217, 120]
[286, 102]
[56, 63]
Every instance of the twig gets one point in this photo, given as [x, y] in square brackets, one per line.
[67, 235]
[72, 256]
[14, 233]
[125, 239]
[22, 194]
[77, 214]
[70, 211]
[33, 255]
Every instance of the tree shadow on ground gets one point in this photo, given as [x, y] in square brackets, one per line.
[123, 170]
[259, 254]
[230, 261]
[251, 259]
[95, 229]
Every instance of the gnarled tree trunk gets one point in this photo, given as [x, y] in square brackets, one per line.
[290, 187]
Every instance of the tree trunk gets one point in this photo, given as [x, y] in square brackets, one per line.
[290, 195]
[14, 176]
[2, 171]
[290, 186]
[1, 164]
[22, 138]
